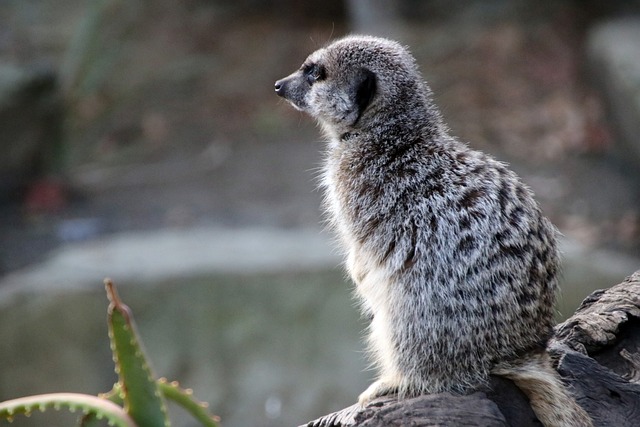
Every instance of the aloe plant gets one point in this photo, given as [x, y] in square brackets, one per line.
[136, 400]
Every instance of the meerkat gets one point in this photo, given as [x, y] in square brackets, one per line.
[451, 256]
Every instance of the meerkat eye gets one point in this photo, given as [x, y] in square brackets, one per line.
[313, 72]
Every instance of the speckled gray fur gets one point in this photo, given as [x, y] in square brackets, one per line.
[451, 256]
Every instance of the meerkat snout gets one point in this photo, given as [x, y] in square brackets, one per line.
[296, 87]
[280, 87]
[292, 89]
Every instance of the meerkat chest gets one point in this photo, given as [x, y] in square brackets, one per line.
[371, 279]
[363, 267]
[336, 195]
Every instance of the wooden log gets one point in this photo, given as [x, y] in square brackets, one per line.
[596, 352]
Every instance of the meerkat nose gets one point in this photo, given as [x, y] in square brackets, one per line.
[279, 88]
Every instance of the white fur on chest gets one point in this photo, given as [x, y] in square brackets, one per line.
[364, 268]
[373, 284]
[374, 289]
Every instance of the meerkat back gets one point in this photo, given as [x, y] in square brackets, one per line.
[451, 255]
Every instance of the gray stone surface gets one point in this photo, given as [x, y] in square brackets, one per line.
[153, 256]
[614, 51]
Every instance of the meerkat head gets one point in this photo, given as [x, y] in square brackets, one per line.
[354, 81]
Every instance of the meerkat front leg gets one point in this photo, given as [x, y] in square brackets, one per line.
[382, 387]
[381, 345]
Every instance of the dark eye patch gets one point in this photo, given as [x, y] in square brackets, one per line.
[313, 72]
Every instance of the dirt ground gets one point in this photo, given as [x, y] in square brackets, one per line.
[177, 125]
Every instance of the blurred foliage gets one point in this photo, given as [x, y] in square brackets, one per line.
[136, 400]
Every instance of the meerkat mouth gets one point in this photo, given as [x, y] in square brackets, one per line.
[288, 89]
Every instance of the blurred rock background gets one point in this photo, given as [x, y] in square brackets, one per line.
[142, 140]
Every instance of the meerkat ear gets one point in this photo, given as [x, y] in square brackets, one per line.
[365, 91]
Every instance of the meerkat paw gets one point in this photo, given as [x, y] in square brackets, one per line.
[377, 389]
